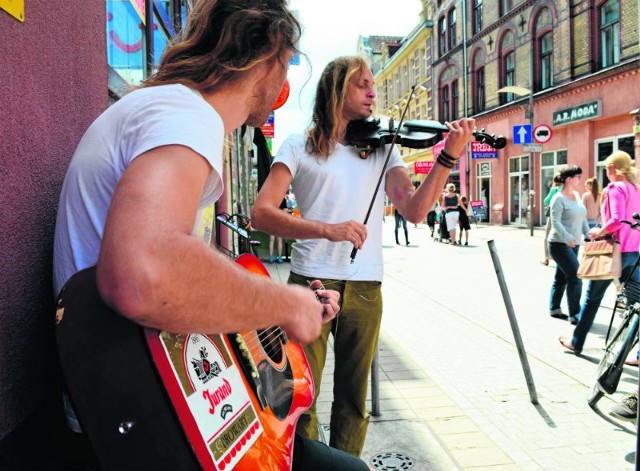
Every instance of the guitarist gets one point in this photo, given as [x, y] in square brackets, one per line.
[147, 166]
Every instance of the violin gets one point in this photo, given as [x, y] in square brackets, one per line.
[369, 134]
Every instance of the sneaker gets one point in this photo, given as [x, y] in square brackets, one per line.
[558, 314]
[279, 260]
[271, 259]
[627, 408]
[573, 320]
[466, 243]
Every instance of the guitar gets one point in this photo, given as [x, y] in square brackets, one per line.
[154, 400]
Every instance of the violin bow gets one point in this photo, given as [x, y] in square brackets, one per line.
[384, 167]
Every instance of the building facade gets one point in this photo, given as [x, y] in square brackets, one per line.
[559, 79]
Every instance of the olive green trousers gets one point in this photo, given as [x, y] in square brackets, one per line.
[355, 333]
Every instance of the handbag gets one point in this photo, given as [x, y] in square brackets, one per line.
[601, 260]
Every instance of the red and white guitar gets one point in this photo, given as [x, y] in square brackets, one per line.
[154, 400]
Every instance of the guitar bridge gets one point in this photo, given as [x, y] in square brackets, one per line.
[250, 369]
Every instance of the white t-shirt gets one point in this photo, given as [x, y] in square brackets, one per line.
[142, 120]
[333, 190]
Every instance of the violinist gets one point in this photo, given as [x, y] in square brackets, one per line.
[334, 185]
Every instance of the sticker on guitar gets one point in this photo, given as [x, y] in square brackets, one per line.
[212, 387]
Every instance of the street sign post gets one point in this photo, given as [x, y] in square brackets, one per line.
[532, 148]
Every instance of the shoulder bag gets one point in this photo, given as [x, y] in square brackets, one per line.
[600, 260]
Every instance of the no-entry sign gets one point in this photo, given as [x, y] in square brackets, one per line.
[542, 133]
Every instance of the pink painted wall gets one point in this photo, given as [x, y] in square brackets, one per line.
[53, 83]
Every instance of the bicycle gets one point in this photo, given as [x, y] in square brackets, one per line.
[625, 337]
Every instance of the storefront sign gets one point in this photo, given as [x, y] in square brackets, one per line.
[422, 167]
[478, 209]
[268, 128]
[481, 150]
[592, 109]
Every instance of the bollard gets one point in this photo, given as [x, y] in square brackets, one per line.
[514, 323]
[375, 380]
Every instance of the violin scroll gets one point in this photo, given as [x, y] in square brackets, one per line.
[499, 142]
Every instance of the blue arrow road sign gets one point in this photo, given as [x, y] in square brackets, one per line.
[522, 134]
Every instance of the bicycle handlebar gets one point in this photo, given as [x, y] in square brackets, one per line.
[634, 225]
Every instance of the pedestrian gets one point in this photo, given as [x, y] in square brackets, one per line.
[463, 220]
[334, 187]
[148, 166]
[568, 228]
[432, 217]
[273, 240]
[400, 220]
[591, 201]
[621, 201]
[555, 187]
[450, 207]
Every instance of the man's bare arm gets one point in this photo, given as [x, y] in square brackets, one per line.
[268, 218]
[152, 270]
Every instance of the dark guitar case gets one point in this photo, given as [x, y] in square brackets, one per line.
[102, 355]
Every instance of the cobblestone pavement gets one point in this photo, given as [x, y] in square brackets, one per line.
[452, 391]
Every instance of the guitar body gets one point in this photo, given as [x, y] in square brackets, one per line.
[154, 400]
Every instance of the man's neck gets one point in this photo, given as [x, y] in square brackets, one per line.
[228, 103]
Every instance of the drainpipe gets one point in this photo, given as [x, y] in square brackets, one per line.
[465, 86]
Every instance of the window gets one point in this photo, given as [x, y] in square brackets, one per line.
[405, 79]
[508, 75]
[479, 100]
[126, 39]
[505, 7]
[609, 33]
[477, 16]
[605, 147]
[442, 36]
[550, 163]
[455, 100]
[385, 95]
[452, 28]
[545, 78]
[444, 104]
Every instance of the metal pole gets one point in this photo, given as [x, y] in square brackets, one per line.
[375, 383]
[514, 323]
[532, 155]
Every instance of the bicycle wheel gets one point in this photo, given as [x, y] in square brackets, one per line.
[610, 366]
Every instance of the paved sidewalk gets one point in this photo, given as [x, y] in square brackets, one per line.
[453, 394]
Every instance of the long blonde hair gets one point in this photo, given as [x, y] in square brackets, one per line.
[623, 165]
[330, 99]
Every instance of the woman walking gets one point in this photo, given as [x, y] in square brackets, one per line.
[621, 200]
[591, 201]
[568, 226]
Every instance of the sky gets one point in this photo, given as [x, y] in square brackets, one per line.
[330, 29]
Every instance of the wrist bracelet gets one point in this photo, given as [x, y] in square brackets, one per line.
[444, 161]
[447, 156]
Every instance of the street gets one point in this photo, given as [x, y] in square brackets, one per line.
[452, 391]
[444, 308]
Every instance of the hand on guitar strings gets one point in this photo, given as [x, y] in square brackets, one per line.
[329, 299]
